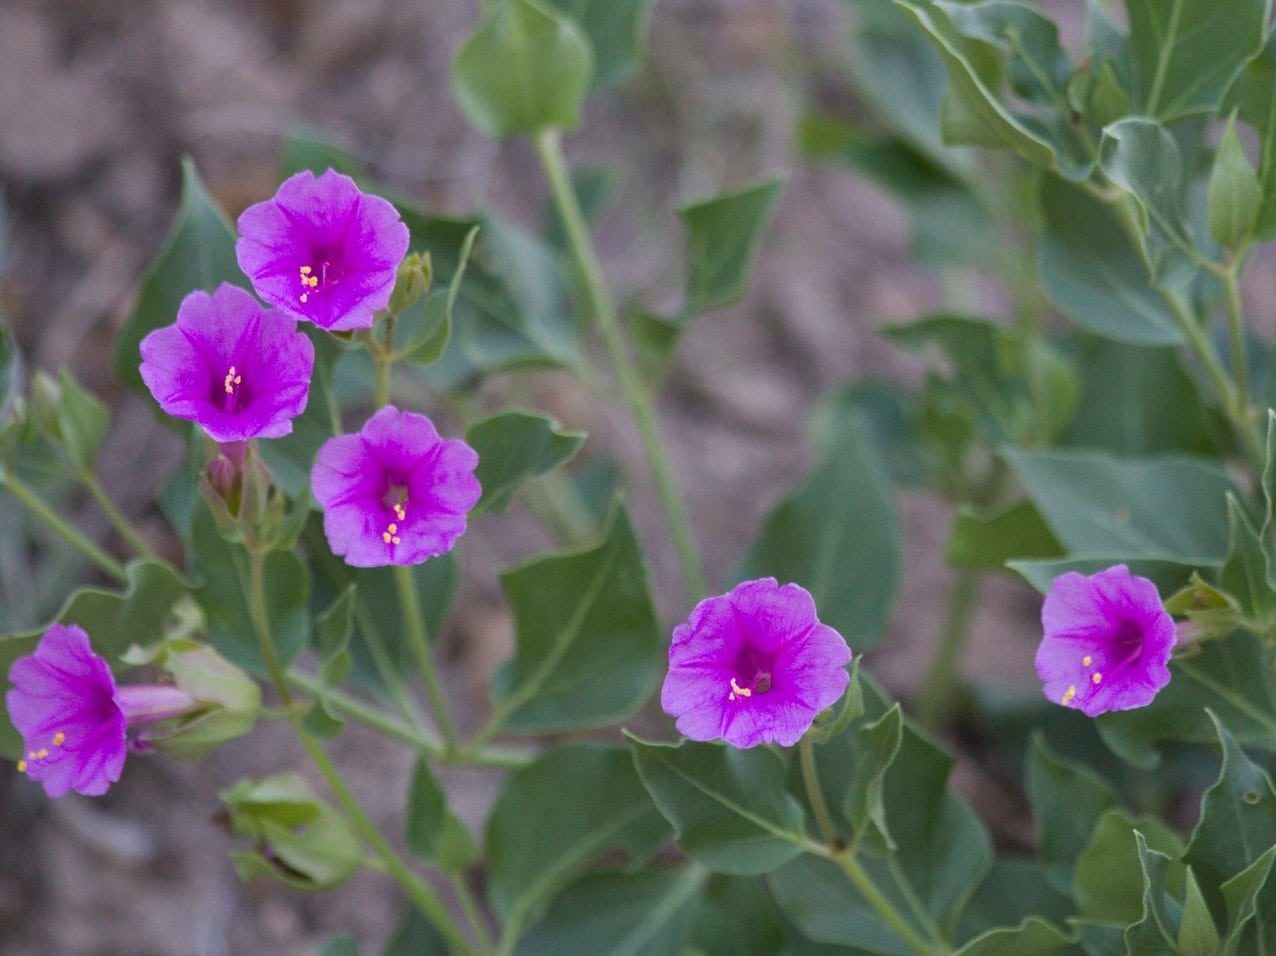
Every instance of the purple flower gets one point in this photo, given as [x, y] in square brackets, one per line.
[1107, 641]
[236, 369]
[73, 718]
[395, 493]
[754, 666]
[322, 250]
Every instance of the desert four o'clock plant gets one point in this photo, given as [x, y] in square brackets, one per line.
[1107, 441]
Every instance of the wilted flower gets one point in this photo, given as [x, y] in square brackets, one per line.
[754, 666]
[237, 370]
[1107, 641]
[322, 250]
[395, 493]
[72, 717]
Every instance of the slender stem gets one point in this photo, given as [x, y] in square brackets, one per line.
[42, 510]
[415, 622]
[942, 679]
[471, 909]
[1236, 333]
[117, 517]
[420, 892]
[886, 910]
[815, 794]
[549, 148]
[383, 365]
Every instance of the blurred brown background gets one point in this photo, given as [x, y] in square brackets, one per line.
[98, 102]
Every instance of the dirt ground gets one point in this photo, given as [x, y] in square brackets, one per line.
[97, 104]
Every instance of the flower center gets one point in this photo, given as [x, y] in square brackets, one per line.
[391, 533]
[232, 392]
[312, 278]
[760, 684]
[33, 756]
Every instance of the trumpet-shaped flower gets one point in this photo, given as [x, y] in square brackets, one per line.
[322, 250]
[237, 370]
[1107, 641]
[754, 666]
[73, 719]
[395, 493]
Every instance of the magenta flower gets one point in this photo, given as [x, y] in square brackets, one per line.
[1107, 641]
[237, 370]
[395, 493]
[73, 718]
[754, 666]
[322, 250]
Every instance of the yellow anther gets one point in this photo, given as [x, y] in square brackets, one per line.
[42, 753]
[59, 739]
[1096, 677]
[738, 691]
[400, 512]
[1070, 693]
[1087, 660]
[395, 540]
[22, 766]
[304, 297]
[306, 270]
[232, 379]
[313, 282]
[393, 529]
[386, 537]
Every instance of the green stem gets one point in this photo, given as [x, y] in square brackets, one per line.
[420, 892]
[42, 510]
[117, 517]
[415, 622]
[389, 725]
[549, 148]
[1236, 334]
[471, 909]
[939, 686]
[815, 794]
[886, 910]
[383, 365]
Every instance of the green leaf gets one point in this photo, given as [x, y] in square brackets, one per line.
[1139, 401]
[434, 833]
[1013, 891]
[588, 649]
[724, 236]
[221, 568]
[1144, 159]
[728, 806]
[622, 914]
[416, 936]
[838, 526]
[1235, 197]
[1198, 936]
[983, 543]
[1107, 881]
[554, 815]
[75, 418]
[1067, 801]
[512, 309]
[1184, 54]
[199, 254]
[617, 31]
[340, 946]
[1254, 96]
[1157, 930]
[114, 621]
[1231, 677]
[11, 379]
[655, 338]
[973, 112]
[876, 748]
[1237, 828]
[1097, 504]
[524, 70]
[423, 332]
[515, 448]
[1093, 273]
[1032, 937]
[1240, 894]
[1167, 575]
[1246, 574]
[736, 915]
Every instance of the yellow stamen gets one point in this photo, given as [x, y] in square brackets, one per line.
[305, 298]
[59, 739]
[738, 691]
[306, 270]
[400, 512]
[1096, 677]
[42, 753]
[1070, 693]
[22, 766]
[1087, 660]
[232, 379]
